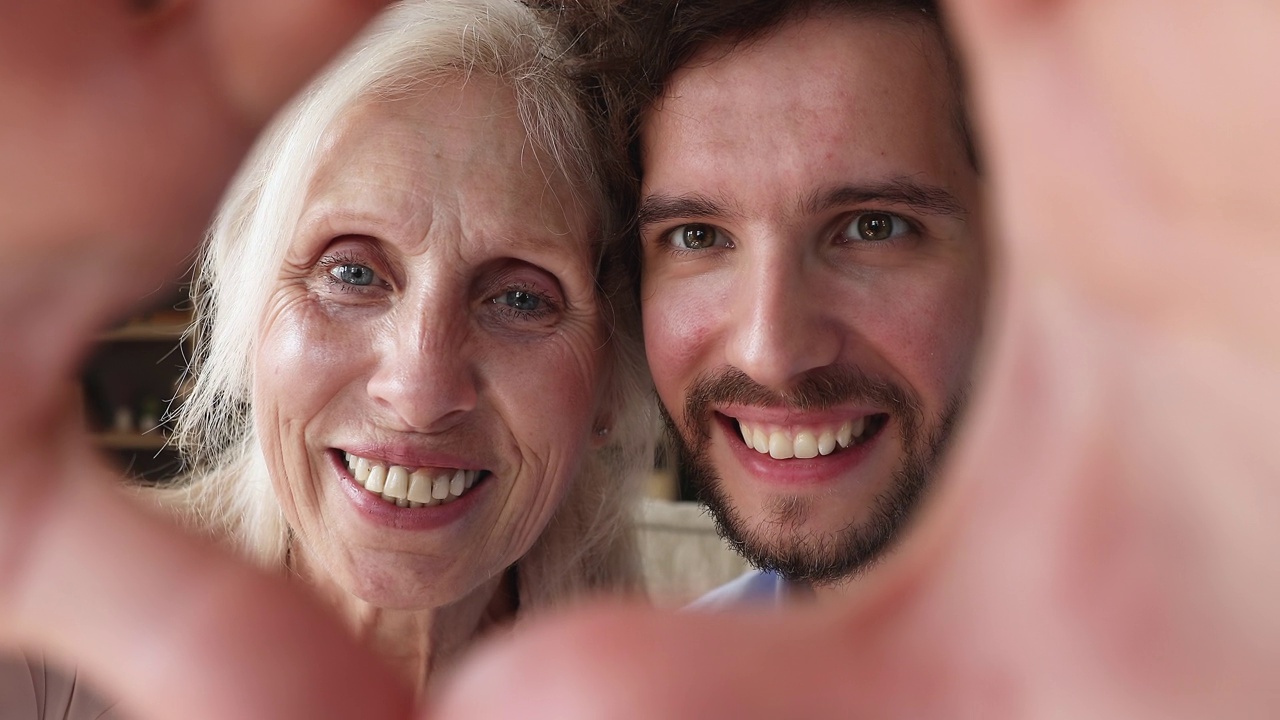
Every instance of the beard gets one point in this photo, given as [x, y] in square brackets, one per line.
[781, 542]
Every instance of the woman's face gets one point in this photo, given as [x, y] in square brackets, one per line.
[435, 318]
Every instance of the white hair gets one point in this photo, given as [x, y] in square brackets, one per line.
[589, 543]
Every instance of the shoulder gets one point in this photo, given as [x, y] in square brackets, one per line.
[31, 689]
[755, 588]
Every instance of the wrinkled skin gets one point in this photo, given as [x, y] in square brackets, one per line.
[1102, 545]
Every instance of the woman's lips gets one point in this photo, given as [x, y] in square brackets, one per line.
[409, 487]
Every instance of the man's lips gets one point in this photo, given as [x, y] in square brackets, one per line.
[817, 438]
[796, 472]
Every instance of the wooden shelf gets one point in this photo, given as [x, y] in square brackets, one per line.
[131, 441]
[145, 332]
[133, 374]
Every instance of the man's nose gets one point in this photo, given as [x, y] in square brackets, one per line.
[782, 324]
[424, 376]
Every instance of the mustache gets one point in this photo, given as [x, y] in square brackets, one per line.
[819, 389]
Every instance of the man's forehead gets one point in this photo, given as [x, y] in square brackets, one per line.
[828, 99]
[802, 42]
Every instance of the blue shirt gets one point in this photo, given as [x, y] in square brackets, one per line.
[755, 589]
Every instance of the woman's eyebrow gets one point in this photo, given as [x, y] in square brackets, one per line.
[335, 216]
[325, 226]
[920, 197]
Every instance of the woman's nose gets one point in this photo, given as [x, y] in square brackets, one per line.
[424, 376]
[782, 325]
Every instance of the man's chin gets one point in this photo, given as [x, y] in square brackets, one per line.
[792, 535]
[790, 540]
[808, 538]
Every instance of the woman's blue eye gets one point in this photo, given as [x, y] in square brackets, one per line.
[876, 227]
[353, 274]
[521, 300]
[695, 236]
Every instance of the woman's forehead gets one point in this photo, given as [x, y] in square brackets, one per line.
[458, 126]
[455, 153]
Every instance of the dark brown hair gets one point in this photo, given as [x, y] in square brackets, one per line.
[627, 51]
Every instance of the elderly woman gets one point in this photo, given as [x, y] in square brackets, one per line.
[416, 393]
[418, 386]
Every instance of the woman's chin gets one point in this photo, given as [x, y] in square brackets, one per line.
[393, 584]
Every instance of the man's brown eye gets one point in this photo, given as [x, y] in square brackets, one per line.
[695, 236]
[875, 227]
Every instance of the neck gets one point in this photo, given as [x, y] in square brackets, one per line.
[417, 643]
[837, 594]
[825, 595]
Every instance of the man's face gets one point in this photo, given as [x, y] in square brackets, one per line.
[813, 282]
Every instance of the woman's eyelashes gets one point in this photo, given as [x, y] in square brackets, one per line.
[524, 302]
[346, 273]
[525, 295]
[353, 274]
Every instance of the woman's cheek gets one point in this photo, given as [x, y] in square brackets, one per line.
[552, 396]
[301, 368]
[305, 352]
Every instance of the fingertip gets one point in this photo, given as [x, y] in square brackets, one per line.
[978, 21]
[566, 667]
[262, 52]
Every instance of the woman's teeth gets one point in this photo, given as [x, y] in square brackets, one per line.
[411, 488]
[782, 443]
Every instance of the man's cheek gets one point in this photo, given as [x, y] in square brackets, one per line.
[928, 336]
[947, 347]
[678, 347]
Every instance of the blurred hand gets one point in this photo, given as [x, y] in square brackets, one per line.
[1102, 545]
[120, 123]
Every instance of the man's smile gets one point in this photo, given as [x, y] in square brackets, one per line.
[808, 441]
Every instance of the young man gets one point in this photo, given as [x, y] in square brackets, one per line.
[1102, 541]
[813, 273]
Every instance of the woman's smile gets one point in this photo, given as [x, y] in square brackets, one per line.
[385, 510]
[409, 487]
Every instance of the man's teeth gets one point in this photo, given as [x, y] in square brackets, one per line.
[783, 443]
[411, 488]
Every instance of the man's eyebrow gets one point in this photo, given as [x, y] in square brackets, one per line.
[659, 208]
[925, 199]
